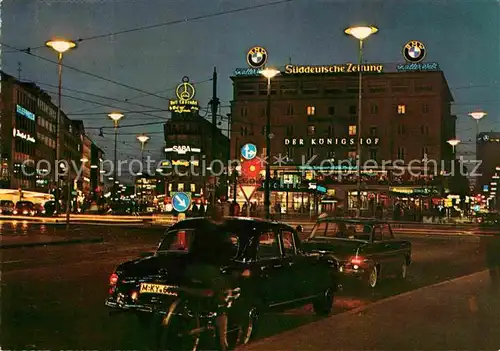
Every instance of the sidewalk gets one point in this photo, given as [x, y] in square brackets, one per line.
[461, 314]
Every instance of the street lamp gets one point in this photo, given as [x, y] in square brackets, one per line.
[477, 116]
[269, 73]
[116, 117]
[60, 46]
[453, 143]
[360, 33]
[143, 139]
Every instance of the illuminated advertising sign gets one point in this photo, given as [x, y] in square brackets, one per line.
[24, 112]
[20, 134]
[182, 149]
[344, 68]
[185, 163]
[414, 53]
[248, 72]
[185, 93]
[331, 141]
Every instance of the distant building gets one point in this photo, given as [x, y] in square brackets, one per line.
[488, 154]
[314, 116]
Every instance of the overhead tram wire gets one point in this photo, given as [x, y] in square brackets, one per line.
[99, 96]
[107, 105]
[89, 73]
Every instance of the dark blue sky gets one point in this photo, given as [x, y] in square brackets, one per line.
[463, 36]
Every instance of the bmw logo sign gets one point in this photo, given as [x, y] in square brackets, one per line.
[414, 51]
[257, 57]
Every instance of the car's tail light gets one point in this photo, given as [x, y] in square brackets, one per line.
[357, 260]
[113, 279]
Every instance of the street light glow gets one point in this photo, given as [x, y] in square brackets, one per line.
[477, 115]
[361, 32]
[115, 116]
[270, 73]
[143, 138]
[60, 45]
[453, 142]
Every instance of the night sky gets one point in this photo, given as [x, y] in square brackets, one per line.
[463, 36]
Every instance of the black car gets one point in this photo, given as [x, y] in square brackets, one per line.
[264, 263]
[363, 248]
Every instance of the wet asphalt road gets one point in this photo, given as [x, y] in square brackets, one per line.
[52, 297]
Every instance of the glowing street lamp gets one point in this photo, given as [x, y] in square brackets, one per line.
[478, 115]
[115, 117]
[269, 73]
[60, 46]
[453, 143]
[361, 33]
[143, 139]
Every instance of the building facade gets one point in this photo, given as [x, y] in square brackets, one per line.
[188, 155]
[488, 155]
[406, 117]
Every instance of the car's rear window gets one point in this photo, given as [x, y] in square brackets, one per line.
[342, 230]
[6, 203]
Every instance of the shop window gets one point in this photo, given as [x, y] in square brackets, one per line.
[352, 130]
[311, 110]
[401, 109]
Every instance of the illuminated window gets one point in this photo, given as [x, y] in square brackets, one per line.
[311, 110]
[193, 188]
[180, 187]
[170, 187]
[401, 109]
[311, 130]
[352, 130]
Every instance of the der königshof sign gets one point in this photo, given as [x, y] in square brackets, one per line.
[330, 141]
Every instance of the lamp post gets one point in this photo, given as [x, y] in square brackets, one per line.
[360, 33]
[60, 46]
[269, 74]
[477, 116]
[116, 117]
[453, 143]
[143, 139]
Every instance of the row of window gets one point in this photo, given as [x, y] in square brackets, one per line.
[47, 109]
[401, 153]
[42, 122]
[183, 187]
[353, 109]
[46, 140]
[292, 89]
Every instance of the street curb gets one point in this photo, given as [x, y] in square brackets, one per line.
[52, 243]
[362, 308]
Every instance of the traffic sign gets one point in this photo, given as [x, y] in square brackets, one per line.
[181, 202]
[249, 151]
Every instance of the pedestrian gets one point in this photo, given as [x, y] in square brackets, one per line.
[244, 210]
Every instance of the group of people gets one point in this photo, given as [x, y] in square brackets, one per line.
[244, 210]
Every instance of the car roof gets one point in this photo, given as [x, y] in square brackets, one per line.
[257, 223]
[367, 221]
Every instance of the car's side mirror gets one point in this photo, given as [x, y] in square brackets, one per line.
[299, 229]
[146, 254]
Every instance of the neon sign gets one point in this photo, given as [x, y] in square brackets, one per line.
[182, 149]
[185, 163]
[415, 67]
[185, 93]
[24, 112]
[332, 141]
[344, 68]
[19, 134]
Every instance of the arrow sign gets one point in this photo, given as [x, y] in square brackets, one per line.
[181, 202]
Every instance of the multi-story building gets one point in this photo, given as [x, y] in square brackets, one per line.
[188, 152]
[28, 141]
[406, 116]
[488, 157]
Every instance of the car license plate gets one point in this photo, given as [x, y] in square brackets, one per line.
[157, 289]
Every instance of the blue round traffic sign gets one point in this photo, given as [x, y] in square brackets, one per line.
[181, 202]
[249, 151]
